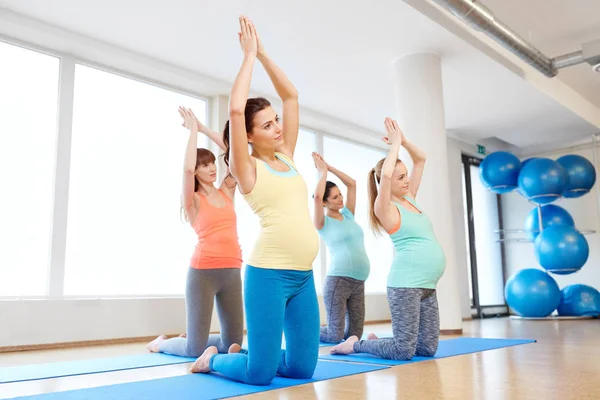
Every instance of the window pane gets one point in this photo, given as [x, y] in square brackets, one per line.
[125, 235]
[357, 161]
[248, 224]
[490, 283]
[467, 237]
[28, 104]
[305, 164]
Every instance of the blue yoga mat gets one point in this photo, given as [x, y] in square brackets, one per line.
[364, 336]
[91, 366]
[446, 348]
[201, 386]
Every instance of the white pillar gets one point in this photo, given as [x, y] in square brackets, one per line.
[219, 114]
[420, 114]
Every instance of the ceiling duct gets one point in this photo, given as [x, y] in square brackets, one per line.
[480, 18]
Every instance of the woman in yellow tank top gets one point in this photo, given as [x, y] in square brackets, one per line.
[279, 289]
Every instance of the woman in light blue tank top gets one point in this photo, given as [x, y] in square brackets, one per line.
[344, 291]
[419, 261]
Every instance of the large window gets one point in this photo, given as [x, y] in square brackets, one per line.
[125, 235]
[28, 107]
[357, 161]
[248, 224]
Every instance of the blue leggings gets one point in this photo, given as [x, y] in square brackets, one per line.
[276, 302]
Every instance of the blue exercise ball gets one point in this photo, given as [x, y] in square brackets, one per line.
[532, 293]
[578, 301]
[527, 160]
[561, 249]
[499, 172]
[542, 180]
[581, 175]
[552, 215]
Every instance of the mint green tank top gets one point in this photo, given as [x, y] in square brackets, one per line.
[419, 261]
[346, 243]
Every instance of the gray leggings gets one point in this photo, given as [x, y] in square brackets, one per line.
[203, 287]
[415, 323]
[345, 304]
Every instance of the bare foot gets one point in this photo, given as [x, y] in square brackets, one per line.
[183, 335]
[372, 336]
[234, 348]
[153, 345]
[202, 364]
[346, 347]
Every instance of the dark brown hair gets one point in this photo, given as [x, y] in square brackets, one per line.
[328, 186]
[253, 106]
[203, 156]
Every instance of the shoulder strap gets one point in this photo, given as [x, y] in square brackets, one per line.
[288, 161]
[413, 202]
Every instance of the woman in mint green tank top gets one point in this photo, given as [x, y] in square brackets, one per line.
[344, 290]
[419, 260]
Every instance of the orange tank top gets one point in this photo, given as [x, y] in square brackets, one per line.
[218, 245]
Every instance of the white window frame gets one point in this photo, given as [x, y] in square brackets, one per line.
[62, 167]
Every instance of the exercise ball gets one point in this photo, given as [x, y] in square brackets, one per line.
[542, 180]
[532, 293]
[499, 172]
[526, 161]
[561, 249]
[552, 215]
[581, 175]
[578, 301]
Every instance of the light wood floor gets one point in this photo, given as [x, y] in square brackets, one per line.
[564, 364]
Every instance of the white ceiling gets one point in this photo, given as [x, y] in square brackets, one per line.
[557, 27]
[340, 57]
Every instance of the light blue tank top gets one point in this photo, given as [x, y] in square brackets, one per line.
[346, 243]
[419, 261]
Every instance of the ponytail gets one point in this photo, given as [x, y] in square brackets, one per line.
[373, 180]
[225, 155]
[373, 220]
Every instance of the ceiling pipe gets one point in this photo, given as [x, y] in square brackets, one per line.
[568, 59]
[476, 15]
[480, 18]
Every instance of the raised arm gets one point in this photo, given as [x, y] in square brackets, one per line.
[212, 135]
[241, 165]
[289, 96]
[350, 187]
[189, 165]
[384, 208]
[418, 158]
[228, 184]
[319, 217]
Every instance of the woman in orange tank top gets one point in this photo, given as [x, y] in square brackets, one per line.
[214, 272]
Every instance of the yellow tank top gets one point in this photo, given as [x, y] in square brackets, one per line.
[288, 238]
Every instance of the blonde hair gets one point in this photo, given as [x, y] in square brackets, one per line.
[373, 182]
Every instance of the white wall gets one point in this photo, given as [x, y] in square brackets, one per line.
[584, 211]
[27, 322]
